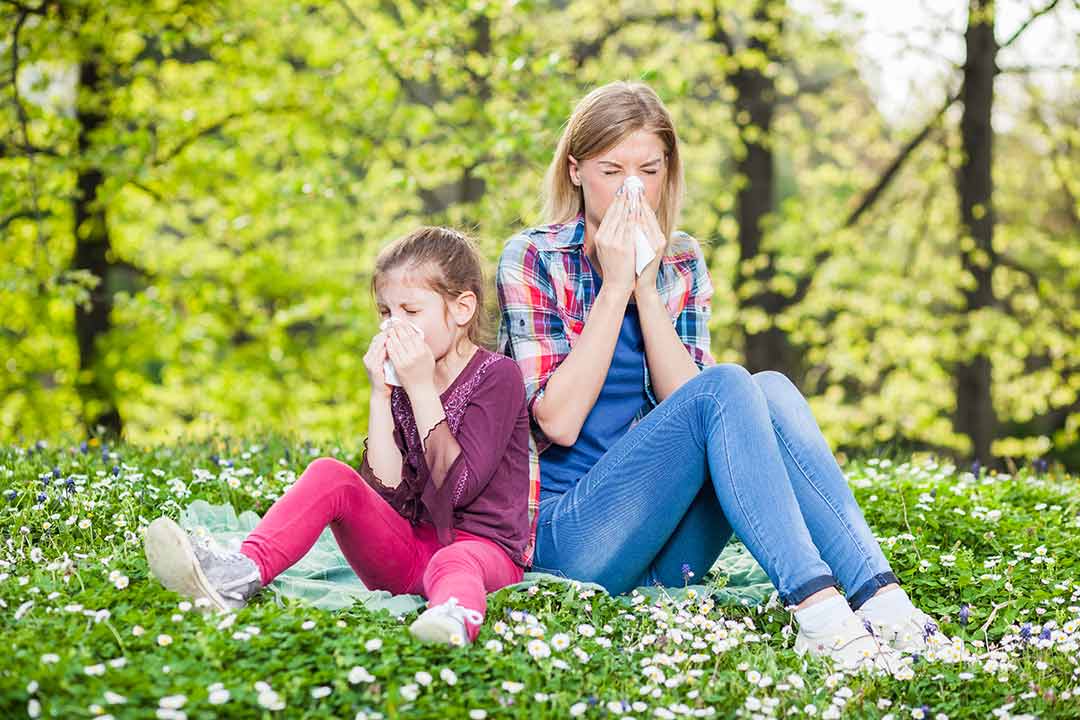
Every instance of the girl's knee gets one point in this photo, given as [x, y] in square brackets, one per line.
[328, 469]
[327, 473]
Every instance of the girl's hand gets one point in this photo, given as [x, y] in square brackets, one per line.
[643, 217]
[410, 356]
[373, 363]
[614, 246]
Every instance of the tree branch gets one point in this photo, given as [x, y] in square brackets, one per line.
[417, 93]
[583, 50]
[209, 129]
[1028, 69]
[1049, 7]
[871, 195]
[183, 144]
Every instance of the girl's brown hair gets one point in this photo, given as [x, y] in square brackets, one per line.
[601, 120]
[452, 263]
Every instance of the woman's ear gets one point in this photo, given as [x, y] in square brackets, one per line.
[463, 308]
[575, 175]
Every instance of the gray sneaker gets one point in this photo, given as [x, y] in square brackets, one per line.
[199, 568]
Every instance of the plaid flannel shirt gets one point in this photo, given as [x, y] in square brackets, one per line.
[546, 289]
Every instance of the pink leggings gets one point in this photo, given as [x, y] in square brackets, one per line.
[386, 550]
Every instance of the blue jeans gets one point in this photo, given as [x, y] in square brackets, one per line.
[726, 452]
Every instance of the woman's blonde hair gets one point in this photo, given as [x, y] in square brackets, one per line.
[601, 120]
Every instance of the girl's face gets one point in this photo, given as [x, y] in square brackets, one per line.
[641, 153]
[405, 293]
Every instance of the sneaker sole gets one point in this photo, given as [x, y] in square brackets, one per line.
[172, 561]
[432, 631]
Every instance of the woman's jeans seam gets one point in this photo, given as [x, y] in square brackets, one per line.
[630, 449]
[828, 501]
[750, 518]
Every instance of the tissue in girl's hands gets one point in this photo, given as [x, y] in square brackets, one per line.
[643, 252]
[389, 374]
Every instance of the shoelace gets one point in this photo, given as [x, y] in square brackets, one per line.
[462, 613]
[213, 551]
[216, 552]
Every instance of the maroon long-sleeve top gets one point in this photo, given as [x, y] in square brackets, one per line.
[480, 484]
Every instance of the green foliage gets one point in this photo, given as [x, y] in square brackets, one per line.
[255, 156]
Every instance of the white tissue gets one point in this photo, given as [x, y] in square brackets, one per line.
[389, 373]
[643, 252]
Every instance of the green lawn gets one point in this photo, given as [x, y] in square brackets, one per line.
[88, 633]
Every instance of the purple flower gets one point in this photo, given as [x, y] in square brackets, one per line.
[869, 627]
[1045, 634]
[965, 613]
[42, 497]
[83, 447]
[1040, 466]
[115, 470]
[1025, 631]
[11, 494]
[687, 573]
[930, 628]
[976, 468]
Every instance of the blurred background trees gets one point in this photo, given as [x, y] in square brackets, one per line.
[192, 194]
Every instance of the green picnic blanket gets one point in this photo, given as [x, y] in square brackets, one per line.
[324, 579]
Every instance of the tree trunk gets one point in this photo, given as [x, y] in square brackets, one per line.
[92, 254]
[755, 106]
[974, 402]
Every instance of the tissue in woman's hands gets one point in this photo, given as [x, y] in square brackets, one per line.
[389, 373]
[643, 252]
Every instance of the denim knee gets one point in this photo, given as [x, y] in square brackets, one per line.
[775, 385]
[725, 379]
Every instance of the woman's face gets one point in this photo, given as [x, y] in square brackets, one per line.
[641, 153]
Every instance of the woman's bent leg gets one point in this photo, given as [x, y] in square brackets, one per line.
[379, 544]
[611, 527]
[696, 543]
[832, 515]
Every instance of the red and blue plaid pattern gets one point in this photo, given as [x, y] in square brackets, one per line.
[545, 290]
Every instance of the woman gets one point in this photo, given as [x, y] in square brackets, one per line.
[650, 456]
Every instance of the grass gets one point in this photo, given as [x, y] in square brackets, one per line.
[87, 633]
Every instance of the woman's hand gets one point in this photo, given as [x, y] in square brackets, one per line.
[642, 217]
[411, 357]
[373, 363]
[614, 246]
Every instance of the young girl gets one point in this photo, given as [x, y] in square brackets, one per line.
[441, 505]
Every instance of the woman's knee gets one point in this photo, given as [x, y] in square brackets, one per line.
[726, 380]
[776, 386]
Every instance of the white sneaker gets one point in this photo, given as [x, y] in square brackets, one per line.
[912, 634]
[445, 624]
[199, 568]
[851, 646]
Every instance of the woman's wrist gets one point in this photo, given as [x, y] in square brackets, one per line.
[646, 293]
[611, 292]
